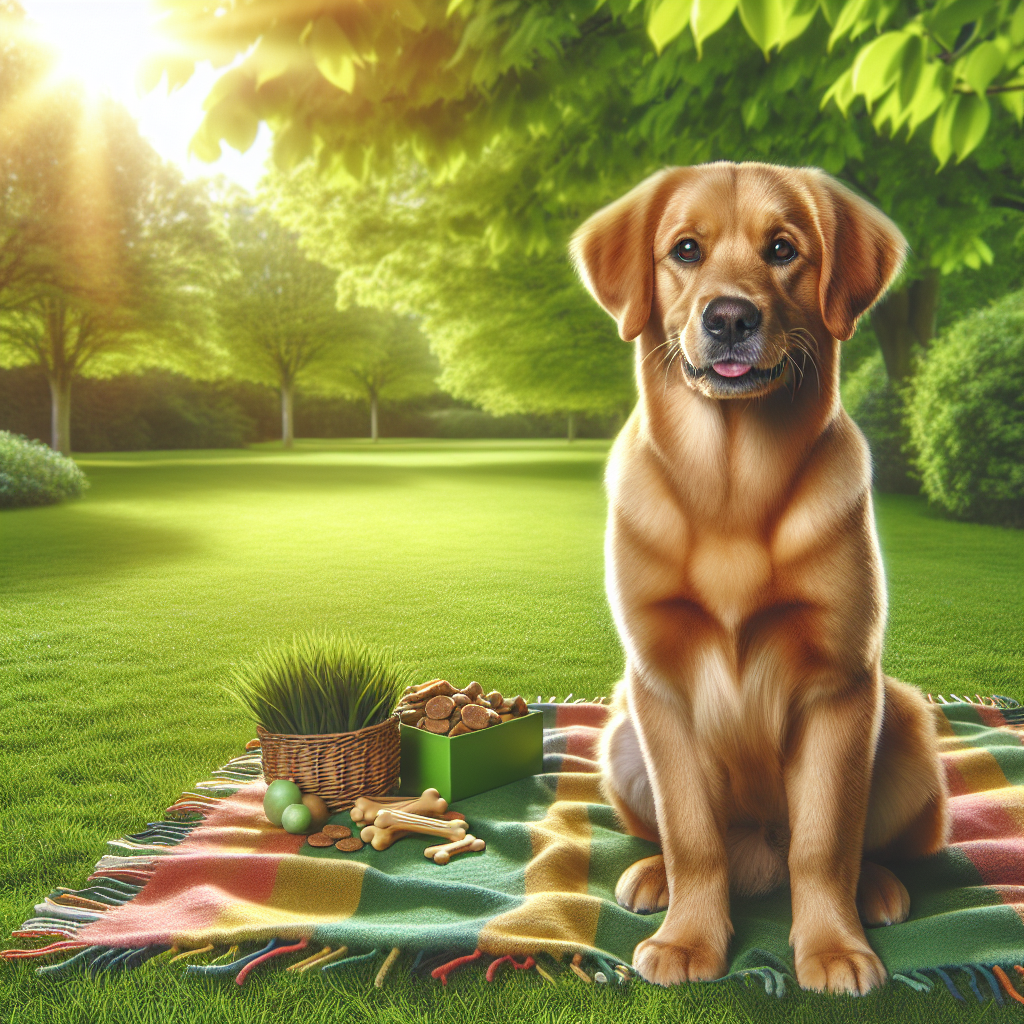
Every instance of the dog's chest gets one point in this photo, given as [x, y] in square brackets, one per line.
[729, 576]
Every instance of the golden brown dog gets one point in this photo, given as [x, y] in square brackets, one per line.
[754, 734]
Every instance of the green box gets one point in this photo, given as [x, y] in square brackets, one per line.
[473, 762]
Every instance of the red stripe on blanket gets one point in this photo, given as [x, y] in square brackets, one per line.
[593, 715]
[159, 911]
[980, 816]
[997, 861]
[581, 741]
[993, 718]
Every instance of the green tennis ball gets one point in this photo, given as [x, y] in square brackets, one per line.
[296, 818]
[280, 794]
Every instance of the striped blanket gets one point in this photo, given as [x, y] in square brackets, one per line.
[215, 874]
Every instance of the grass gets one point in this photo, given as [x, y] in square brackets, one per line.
[123, 613]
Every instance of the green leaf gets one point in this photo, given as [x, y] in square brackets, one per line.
[707, 17]
[878, 64]
[667, 19]
[205, 144]
[235, 123]
[763, 20]
[1017, 26]
[798, 16]
[984, 251]
[970, 122]
[934, 85]
[292, 144]
[909, 76]
[271, 59]
[841, 91]
[942, 130]
[980, 66]
[946, 22]
[853, 12]
[333, 53]
[453, 6]
[1014, 103]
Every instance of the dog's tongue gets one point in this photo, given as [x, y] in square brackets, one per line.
[731, 369]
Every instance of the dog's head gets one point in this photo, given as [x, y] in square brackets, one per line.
[744, 265]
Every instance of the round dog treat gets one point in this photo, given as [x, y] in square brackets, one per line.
[410, 717]
[473, 690]
[494, 699]
[474, 717]
[439, 707]
[519, 706]
[437, 725]
[320, 839]
[460, 699]
[336, 831]
[350, 845]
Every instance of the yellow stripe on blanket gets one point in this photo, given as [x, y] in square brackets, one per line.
[557, 914]
[307, 892]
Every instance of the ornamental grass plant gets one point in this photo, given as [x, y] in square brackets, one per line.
[320, 683]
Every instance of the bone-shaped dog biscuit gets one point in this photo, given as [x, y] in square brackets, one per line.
[382, 838]
[443, 854]
[429, 802]
[450, 830]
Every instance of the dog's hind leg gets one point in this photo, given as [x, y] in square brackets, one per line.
[881, 897]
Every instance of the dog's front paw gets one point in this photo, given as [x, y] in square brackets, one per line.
[669, 963]
[643, 886]
[843, 967]
[881, 897]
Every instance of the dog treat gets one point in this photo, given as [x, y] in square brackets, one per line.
[320, 839]
[428, 802]
[351, 845]
[475, 717]
[443, 854]
[452, 816]
[382, 838]
[450, 830]
[336, 831]
[439, 706]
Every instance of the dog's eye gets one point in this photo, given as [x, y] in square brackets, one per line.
[687, 250]
[781, 251]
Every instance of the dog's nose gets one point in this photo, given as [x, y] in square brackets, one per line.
[730, 319]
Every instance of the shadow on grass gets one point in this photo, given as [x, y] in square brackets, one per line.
[68, 545]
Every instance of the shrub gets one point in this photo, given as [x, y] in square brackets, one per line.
[319, 684]
[31, 473]
[966, 416]
[877, 407]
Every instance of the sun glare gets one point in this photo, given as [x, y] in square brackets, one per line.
[103, 43]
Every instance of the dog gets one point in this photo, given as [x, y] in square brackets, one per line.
[754, 734]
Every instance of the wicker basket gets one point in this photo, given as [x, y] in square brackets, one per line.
[339, 766]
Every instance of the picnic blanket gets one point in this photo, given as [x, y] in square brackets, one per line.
[216, 874]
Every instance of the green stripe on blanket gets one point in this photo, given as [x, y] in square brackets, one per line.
[218, 874]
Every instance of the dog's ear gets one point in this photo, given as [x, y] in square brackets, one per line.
[861, 252]
[613, 252]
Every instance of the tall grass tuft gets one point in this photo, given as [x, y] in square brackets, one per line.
[320, 683]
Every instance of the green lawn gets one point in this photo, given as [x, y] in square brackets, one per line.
[120, 615]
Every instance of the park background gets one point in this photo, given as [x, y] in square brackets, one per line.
[355, 384]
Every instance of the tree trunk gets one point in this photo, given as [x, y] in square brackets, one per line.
[60, 414]
[571, 428]
[374, 434]
[904, 320]
[288, 415]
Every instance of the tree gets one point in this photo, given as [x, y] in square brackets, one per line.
[108, 259]
[278, 314]
[547, 83]
[512, 334]
[386, 358]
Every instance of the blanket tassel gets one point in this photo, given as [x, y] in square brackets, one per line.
[280, 951]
